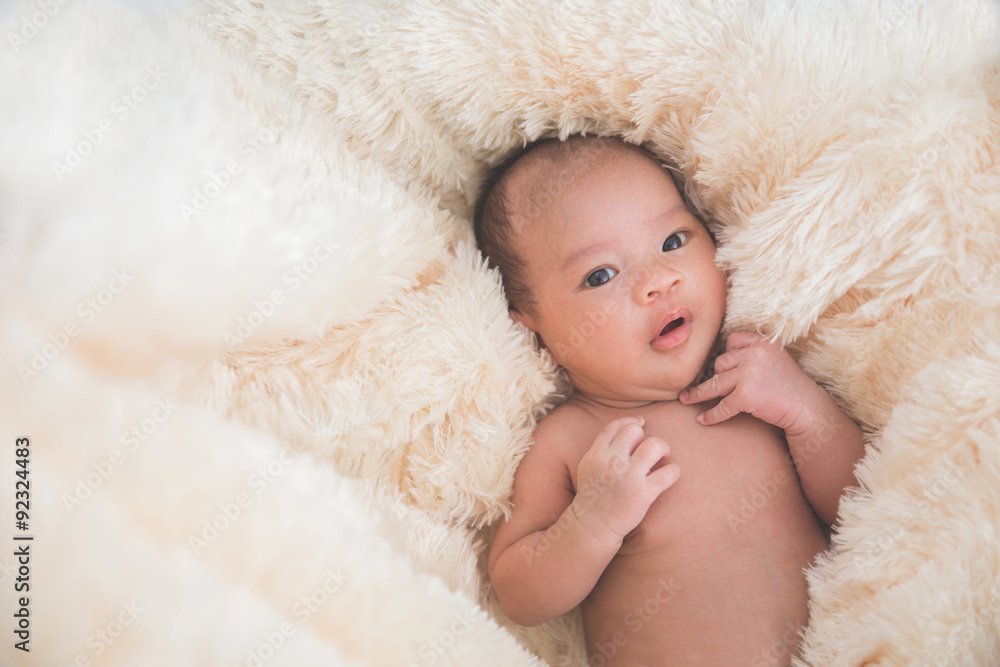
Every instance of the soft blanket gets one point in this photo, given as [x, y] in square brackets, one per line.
[273, 399]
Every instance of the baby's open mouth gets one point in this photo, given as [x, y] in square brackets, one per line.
[674, 332]
[671, 325]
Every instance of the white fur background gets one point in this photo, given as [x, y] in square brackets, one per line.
[275, 400]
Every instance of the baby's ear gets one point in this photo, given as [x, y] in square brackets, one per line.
[524, 319]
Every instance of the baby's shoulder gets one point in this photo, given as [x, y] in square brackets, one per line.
[563, 429]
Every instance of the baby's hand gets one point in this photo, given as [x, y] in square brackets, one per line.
[619, 477]
[758, 377]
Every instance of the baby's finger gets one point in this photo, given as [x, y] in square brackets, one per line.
[649, 452]
[663, 478]
[611, 430]
[740, 339]
[627, 439]
[722, 411]
[727, 361]
[720, 384]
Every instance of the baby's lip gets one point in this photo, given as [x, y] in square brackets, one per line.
[673, 331]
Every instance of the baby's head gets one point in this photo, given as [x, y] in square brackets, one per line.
[601, 257]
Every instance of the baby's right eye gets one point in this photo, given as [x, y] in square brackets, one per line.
[600, 276]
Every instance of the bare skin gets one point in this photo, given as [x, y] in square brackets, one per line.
[687, 553]
[712, 574]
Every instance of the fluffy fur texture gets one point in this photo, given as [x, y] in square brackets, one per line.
[284, 189]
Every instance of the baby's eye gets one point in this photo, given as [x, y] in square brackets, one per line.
[675, 241]
[600, 276]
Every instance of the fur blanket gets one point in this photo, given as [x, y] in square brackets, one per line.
[273, 397]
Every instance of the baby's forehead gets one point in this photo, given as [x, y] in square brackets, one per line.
[542, 177]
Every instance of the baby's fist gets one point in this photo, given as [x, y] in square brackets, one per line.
[619, 477]
[755, 376]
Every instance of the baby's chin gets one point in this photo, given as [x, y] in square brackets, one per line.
[666, 387]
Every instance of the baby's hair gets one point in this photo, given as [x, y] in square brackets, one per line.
[496, 209]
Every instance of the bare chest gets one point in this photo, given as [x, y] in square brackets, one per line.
[717, 561]
[732, 474]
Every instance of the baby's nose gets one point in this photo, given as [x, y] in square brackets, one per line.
[655, 279]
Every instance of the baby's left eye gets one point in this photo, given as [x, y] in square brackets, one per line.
[675, 241]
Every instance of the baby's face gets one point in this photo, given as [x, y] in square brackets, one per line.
[628, 297]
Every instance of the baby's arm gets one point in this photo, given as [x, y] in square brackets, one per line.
[761, 378]
[547, 557]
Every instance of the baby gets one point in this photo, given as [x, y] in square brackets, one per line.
[680, 516]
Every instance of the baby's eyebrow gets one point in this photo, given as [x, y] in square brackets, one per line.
[580, 253]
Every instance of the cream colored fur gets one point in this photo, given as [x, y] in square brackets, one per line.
[345, 396]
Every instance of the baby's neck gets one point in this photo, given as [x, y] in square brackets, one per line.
[609, 403]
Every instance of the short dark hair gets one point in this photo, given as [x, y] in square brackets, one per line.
[494, 213]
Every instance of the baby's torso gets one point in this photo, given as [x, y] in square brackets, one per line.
[713, 575]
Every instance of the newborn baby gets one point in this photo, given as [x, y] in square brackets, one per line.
[680, 516]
